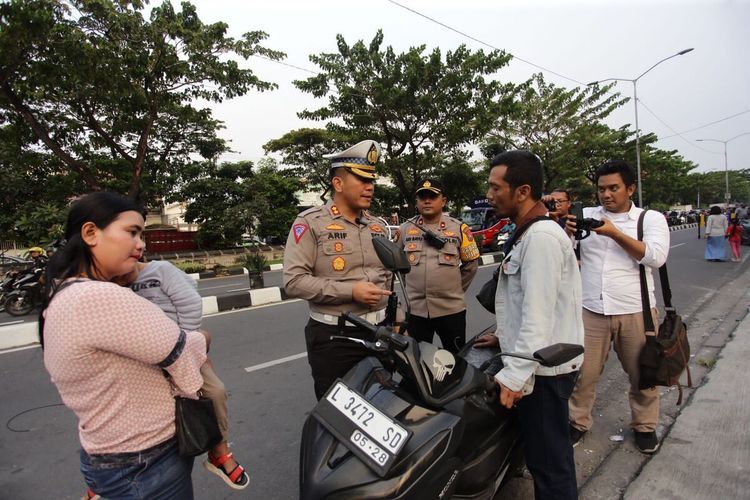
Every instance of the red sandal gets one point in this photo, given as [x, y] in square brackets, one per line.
[236, 479]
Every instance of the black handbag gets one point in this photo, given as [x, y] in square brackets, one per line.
[666, 353]
[196, 427]
[486, 295]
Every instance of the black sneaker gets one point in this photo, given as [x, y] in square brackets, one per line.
[646, 442]
[576, 436]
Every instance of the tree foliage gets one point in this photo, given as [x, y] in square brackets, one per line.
[304, 148]
[422, 106]
[563, 127]
[232, 199]
[110, 94]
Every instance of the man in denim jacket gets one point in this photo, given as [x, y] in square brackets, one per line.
[538, 303]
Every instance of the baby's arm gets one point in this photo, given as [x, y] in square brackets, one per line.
[182, 291]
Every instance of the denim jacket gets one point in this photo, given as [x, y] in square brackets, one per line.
[538, 303]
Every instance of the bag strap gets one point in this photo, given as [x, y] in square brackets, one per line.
[666, 290]
[648, 320]
[519, 231]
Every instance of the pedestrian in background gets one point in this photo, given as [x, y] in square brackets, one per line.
[538, 303]
[716, 230]
[439, 276]
[740, 212]
[329, 260]
[734, 236]
[612, 299]
[105, 349]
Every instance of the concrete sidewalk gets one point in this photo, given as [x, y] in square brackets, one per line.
[707, 451]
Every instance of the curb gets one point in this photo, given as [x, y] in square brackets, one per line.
[492, 258]
[212, 274]
[683, 226]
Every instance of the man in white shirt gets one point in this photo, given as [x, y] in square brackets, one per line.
[612, 313]
[538, 303]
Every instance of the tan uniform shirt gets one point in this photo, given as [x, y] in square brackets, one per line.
[326, 254]
[438, 279]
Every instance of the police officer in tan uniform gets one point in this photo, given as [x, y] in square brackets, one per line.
[329, 260]
[439, 277]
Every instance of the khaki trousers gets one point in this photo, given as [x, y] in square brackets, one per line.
[213, 389]
[626, 333]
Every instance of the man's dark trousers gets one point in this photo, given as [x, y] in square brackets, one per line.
[546, 437]
[450, 328]
[331, 359]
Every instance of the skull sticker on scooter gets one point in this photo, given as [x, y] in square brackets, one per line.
[443, 362]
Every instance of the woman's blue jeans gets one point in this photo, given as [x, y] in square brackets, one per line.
[157, 473]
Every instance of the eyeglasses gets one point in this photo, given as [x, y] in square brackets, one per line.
[427, 195]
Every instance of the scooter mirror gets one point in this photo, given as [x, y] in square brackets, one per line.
[558, 354]
[391, 255]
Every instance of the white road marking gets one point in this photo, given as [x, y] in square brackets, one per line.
[677, 245]
[12, 322]
[239, 289]
[275, 362]
[214, 287]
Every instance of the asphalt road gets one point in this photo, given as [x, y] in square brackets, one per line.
[267, 406]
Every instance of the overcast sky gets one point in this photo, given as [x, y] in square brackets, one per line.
[584, 40]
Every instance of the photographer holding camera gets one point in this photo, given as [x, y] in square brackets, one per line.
[612, 305]
[558, 203]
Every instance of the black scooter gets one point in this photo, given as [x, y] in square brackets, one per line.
[25, 292]
[413, 421]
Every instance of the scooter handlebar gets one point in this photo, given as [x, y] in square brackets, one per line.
[380, 332]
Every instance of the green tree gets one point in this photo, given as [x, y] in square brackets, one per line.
[563, 127]
[110, 94]
[423, 107]
[232, 199]
[712, 186]
[304, 148]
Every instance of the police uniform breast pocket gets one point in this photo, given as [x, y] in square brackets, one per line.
[413, 251]
[448, 255]
[337, 251]
[337, 247]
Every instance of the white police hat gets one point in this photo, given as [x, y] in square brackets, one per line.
[359, 159]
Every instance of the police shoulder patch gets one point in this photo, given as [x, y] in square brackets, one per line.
[298, 230]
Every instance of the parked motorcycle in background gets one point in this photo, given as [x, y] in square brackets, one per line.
[24, 292]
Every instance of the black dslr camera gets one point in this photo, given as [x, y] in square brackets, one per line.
[583, 226]
[551, 205]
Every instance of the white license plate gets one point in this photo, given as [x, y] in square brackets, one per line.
[373, 451]
[380, 428]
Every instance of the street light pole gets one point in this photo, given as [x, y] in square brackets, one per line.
[726, 163]
[635, 102]
[637, 144]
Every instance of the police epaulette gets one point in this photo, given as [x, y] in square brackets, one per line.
[311, 211]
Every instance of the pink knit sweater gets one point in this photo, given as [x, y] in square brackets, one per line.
[102, 344]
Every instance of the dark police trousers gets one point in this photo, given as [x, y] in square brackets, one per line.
[546, 437]
[451, 329]
[332, 359]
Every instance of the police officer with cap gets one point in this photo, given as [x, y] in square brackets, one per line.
[329, 260]
[444, 260]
